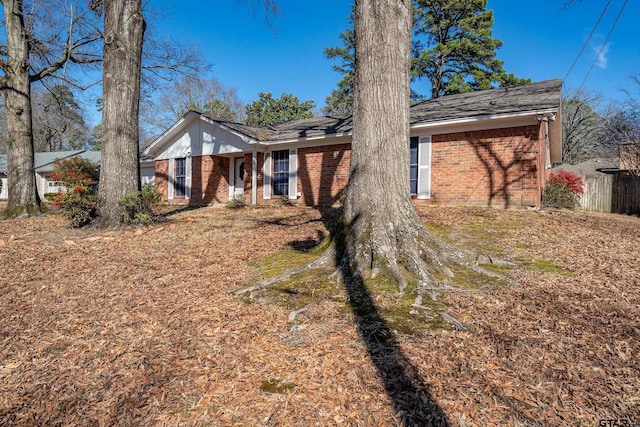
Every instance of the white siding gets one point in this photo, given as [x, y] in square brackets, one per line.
[147, 175]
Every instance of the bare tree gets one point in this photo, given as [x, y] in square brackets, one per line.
[582, 126]
[58, 120]
[30, 56]
[124, 28]
[206, 95]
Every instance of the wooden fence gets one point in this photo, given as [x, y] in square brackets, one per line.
[615, 193]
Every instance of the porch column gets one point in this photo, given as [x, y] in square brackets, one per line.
[254, 177]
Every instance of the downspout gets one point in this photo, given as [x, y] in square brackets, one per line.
[546, 118]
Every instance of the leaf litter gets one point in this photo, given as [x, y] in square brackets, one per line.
[138, 326]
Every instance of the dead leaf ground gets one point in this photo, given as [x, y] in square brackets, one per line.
[138, 327]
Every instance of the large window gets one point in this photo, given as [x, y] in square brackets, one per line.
[180, 172]
[281, 173]
[413, 164]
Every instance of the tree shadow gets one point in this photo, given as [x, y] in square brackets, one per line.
[503, 173]
[412, 401]
[409, 394]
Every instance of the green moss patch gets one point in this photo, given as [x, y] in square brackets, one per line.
[546, 266]
[279, 262]
[470, 279]
[275, 385]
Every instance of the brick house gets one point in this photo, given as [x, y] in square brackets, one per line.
[486, 148]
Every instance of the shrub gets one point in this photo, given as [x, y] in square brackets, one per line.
[237, 202]
[562, 190]
[573, 181]
[50, 197]
[281, 201]
[139, 207]
[79, 203]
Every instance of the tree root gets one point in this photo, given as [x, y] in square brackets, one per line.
[326, 260]
[431, 253]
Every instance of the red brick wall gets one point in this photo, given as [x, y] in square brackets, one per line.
[209, 180]
[495, 167]
[485, 168]
[161, 180]
[322, 173]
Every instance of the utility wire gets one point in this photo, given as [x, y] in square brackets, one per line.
[603, 45]
[584, 46]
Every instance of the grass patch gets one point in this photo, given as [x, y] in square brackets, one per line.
[279, 262]
[470, 279]
[301, 290]
[496, 268]
[546, 266]
[437, 229]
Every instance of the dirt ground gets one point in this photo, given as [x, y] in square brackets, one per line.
[138, 327]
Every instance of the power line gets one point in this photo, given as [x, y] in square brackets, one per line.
[584, 46]
[603, 44]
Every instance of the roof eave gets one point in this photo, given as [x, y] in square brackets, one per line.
[486, 117]
[173, 129]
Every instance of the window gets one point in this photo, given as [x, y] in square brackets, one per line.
[413, 164]
[180, 174]
[281, 173]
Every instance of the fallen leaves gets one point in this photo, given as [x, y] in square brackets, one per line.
[137, 326]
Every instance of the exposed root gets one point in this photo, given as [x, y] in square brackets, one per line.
[326, 260]
[486, 272]
[452, 321]
[414, 252]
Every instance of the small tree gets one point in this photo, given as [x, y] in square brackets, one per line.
[79, 202]
[269, 111]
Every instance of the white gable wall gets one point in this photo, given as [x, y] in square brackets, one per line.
[201, 138]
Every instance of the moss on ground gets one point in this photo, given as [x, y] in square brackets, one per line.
[546, 266]
[471, 279]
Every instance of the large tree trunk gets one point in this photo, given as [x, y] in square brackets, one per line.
[16, 91]
[382, 226]
[120, 168]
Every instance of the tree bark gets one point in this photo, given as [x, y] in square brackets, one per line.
[23, 199]
[378, 213]
[120, 168]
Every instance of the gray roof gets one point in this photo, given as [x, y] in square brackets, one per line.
[528, 98]
[44, 161]
[590, 167]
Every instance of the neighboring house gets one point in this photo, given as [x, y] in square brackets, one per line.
[590, 167]
[147, 170]
[487, 148]
[630, 157]
[44, 168]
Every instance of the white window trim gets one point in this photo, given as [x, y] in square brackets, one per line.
[172, 178]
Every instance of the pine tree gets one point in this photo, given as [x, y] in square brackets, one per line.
[454, 48]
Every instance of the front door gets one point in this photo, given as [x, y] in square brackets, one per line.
[238, 176]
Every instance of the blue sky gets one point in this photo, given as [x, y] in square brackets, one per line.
[541, 40]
